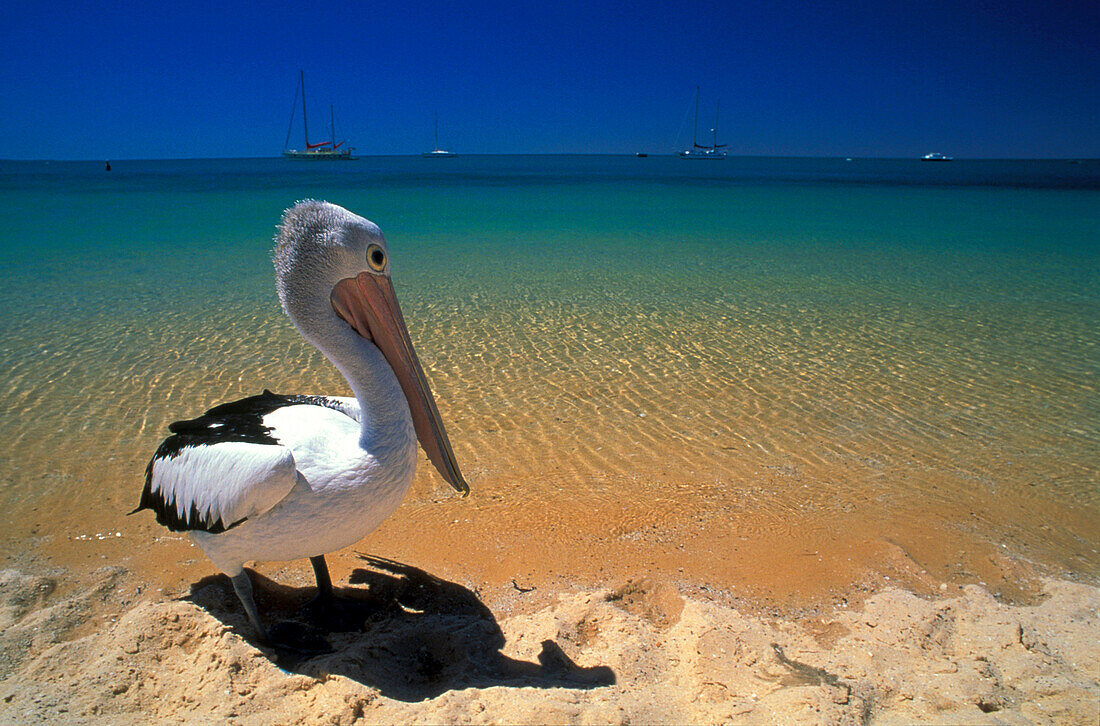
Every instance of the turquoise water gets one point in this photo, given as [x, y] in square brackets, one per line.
[899, 333]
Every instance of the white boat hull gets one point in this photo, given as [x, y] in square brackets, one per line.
[343, 155]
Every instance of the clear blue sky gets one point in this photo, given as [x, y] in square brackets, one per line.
[100, 79]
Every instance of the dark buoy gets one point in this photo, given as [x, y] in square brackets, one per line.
[108, 166]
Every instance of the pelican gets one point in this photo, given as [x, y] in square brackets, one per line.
[286, 477]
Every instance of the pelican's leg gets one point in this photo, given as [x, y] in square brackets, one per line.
[324, 582]
[243, 586]
[287, 637]
[338, 614]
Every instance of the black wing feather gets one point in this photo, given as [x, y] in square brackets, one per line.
[236, 421]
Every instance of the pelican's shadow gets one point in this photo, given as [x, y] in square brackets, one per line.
[421, 636]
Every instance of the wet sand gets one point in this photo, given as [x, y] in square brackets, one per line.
[507, 535]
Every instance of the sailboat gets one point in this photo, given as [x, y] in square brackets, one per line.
[323, 150]
[700, 151]
[437, 151]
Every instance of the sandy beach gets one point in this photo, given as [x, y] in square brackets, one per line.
[433, 651]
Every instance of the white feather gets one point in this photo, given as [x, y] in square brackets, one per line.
[349, 406]
[227, 481]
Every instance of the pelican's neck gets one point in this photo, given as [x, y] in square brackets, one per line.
[384, 412]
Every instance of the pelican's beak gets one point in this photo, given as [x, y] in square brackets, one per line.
[369, 305]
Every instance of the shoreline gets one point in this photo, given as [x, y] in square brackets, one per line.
[434, 650]
[547, 540]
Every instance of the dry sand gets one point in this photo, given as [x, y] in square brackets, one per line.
[432, 651]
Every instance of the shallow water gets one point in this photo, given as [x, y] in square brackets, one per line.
[624, 350]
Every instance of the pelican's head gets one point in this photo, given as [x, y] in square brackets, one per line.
[332, 268]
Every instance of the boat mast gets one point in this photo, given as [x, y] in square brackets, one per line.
[293, 113]
[695, 125]
[305, 122]
[715, 129]
[332, 125]
[437, 130]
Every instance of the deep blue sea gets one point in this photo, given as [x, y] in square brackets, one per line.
[892, 336]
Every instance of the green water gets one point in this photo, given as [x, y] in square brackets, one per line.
[718, 316]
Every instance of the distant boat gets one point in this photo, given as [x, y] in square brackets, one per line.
[935, 156]
[641, 155]
[436, 152]
[700, 151]
[321, 151]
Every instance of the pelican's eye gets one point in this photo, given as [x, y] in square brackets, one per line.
[376, 258]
